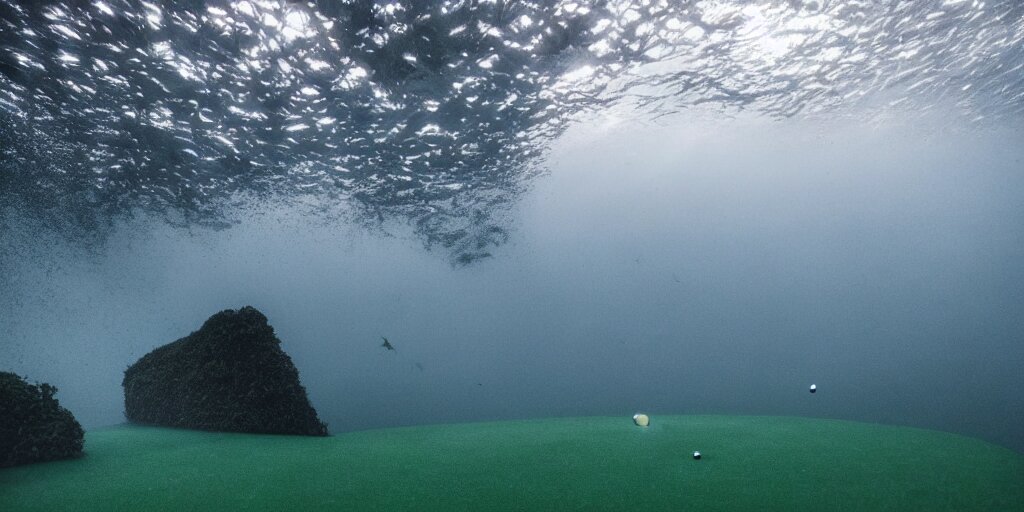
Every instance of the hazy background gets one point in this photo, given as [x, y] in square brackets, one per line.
[673, 267]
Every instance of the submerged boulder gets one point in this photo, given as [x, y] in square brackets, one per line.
[230, 375]
[33, 425]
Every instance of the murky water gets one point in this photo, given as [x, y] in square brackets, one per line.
[549, 208]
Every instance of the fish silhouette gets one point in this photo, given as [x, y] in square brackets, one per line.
[386, 344]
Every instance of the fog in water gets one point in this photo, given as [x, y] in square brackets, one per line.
[666, 267]
[549, 208]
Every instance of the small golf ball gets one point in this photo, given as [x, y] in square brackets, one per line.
[641, 420]
[814, 387]
[696, 455]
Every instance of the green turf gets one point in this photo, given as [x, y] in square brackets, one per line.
[749, 463]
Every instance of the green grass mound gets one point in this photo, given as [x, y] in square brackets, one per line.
[749, 463]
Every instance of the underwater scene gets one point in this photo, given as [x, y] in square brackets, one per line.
[735, 255]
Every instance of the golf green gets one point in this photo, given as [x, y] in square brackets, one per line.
[597, 463]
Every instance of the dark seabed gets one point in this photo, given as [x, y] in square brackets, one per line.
[548, 209]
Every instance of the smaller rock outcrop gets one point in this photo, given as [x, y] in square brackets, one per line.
[33, 425]
[230, 375]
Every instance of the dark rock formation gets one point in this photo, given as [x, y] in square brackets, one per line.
[230, 375]
[33, 425]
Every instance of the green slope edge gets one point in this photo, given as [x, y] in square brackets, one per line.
[594, 463]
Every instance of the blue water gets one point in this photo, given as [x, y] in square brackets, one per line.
[550, 208]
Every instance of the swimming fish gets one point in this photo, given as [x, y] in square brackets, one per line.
[386, 344]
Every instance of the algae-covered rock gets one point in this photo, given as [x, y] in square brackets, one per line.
[33, 425]
[230, 375]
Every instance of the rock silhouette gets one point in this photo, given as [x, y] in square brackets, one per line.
[33, 425]
[230, 375]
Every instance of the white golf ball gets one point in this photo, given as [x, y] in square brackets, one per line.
[641, 420]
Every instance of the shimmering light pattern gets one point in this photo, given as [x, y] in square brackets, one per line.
[433, 112]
